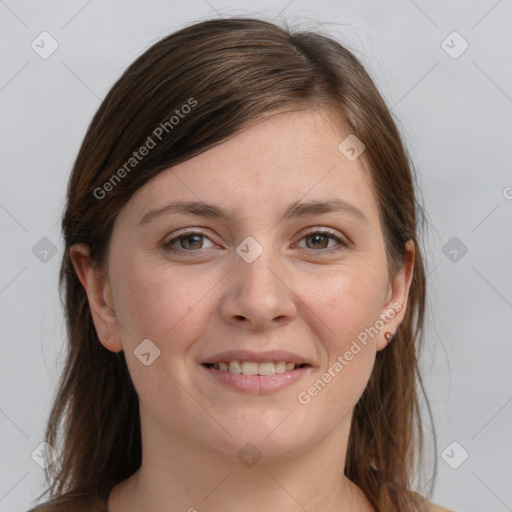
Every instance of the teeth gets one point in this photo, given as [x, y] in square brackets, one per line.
[265, 368]
[249, 368]
[235, 367]
[253, 368]
[280, 367]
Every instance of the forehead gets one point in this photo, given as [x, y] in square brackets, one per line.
[285, 158]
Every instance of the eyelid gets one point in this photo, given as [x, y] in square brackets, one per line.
[182, 234]
[341, 241]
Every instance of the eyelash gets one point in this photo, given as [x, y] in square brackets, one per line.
[341, 244]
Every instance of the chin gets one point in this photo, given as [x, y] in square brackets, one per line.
[263, 434]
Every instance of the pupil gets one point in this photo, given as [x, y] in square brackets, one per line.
[195, 240]
[318, 238]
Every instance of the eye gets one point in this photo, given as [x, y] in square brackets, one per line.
[316, 241]
[187, 242]
[321, 239]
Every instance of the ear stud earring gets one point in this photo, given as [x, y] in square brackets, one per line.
[388, 335]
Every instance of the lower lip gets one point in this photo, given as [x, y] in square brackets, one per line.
[257, 384]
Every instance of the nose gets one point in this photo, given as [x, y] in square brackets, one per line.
[258, 296]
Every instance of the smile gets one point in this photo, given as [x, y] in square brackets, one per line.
[254, 368]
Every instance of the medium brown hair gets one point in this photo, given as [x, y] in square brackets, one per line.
[235, 72]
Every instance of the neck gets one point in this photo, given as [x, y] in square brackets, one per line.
[178, 474]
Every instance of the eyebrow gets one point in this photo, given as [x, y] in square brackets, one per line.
[296, 209]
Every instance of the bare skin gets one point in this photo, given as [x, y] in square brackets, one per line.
[306, 293]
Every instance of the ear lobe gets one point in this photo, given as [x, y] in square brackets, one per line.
[97, 288]
[395, 307]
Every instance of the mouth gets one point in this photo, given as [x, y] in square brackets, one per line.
[256, 372]
[263, 369]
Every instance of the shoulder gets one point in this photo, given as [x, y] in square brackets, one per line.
[432, 507]
[423, 505]
[73, 503]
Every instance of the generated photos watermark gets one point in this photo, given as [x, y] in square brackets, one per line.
[150, 143]
[304, 397]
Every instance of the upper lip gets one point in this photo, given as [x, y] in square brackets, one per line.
[258, 357]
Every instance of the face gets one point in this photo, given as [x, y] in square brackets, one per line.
[262, 276]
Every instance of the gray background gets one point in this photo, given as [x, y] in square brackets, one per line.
[456, 115]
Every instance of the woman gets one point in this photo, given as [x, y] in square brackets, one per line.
[244, 289]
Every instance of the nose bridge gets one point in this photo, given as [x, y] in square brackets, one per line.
[257, 294]
[259, 278]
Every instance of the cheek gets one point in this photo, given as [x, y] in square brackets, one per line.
[349, 303]
[167, 307]
[157, 302]
[347, 306]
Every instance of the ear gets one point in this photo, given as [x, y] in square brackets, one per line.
[395, 306]
[97, 287]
